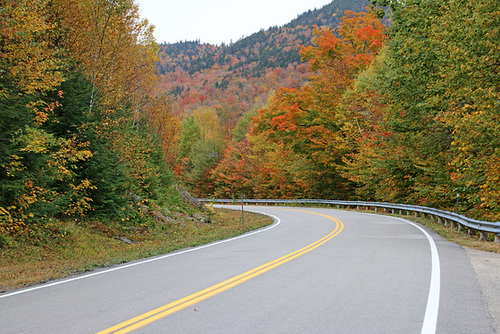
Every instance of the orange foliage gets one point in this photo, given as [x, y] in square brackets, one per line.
[298, 142]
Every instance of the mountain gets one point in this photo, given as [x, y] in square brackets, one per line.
[274, 47]
[234, 78]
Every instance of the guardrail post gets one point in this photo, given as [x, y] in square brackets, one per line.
[376, 209]
[497, 238]
[416, 214]
[440, 221]
[483, 236]
[453, 225]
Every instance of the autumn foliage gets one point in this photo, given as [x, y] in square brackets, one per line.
[297, 143]
[78, 103]
[405, 114]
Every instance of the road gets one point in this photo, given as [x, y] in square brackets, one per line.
[312, 271]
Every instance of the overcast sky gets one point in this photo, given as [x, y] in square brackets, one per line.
[219, 21]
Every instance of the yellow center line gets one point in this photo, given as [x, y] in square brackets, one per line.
[168, 309]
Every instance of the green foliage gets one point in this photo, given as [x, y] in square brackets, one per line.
[4, 241]
[200, 150]
[190, 134]
[439, 78]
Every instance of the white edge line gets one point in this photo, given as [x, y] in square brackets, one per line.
[431, 312]
[157, 258]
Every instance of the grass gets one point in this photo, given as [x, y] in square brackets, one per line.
[76, 247]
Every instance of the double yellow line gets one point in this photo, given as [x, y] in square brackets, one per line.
[166, 310]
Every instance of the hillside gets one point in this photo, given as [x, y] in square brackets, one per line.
[274, 47]
[233, 78]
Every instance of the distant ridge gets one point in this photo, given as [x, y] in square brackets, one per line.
[274, 47]
[238, 77]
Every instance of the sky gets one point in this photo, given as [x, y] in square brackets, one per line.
[219, 21]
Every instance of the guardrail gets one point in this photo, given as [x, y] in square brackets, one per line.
[455, 220]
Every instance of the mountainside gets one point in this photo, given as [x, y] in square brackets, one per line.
[275, 47]
[234, 78]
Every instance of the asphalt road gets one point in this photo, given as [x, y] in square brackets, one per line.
[313, 271]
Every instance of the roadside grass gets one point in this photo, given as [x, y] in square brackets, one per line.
[77, 247]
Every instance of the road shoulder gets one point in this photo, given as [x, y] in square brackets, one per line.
[487, 267]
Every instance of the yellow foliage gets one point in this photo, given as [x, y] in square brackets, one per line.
[115, 47]
[29, 51]
[208, 121]
[14, 166]
[9, 224]
[36, 140]
[80, 200]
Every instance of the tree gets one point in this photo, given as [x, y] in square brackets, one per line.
[113, 45]
[466, 37]
[298, 141]
[160, 117]
[200, 150]
[440, 78]
[76, 82]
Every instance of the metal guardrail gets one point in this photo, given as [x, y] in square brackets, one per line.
[454, 219]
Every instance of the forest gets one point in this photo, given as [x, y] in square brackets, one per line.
[395, 102]
[403, 110]
[82, 128]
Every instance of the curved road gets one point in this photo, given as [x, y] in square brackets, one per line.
[313, 271]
